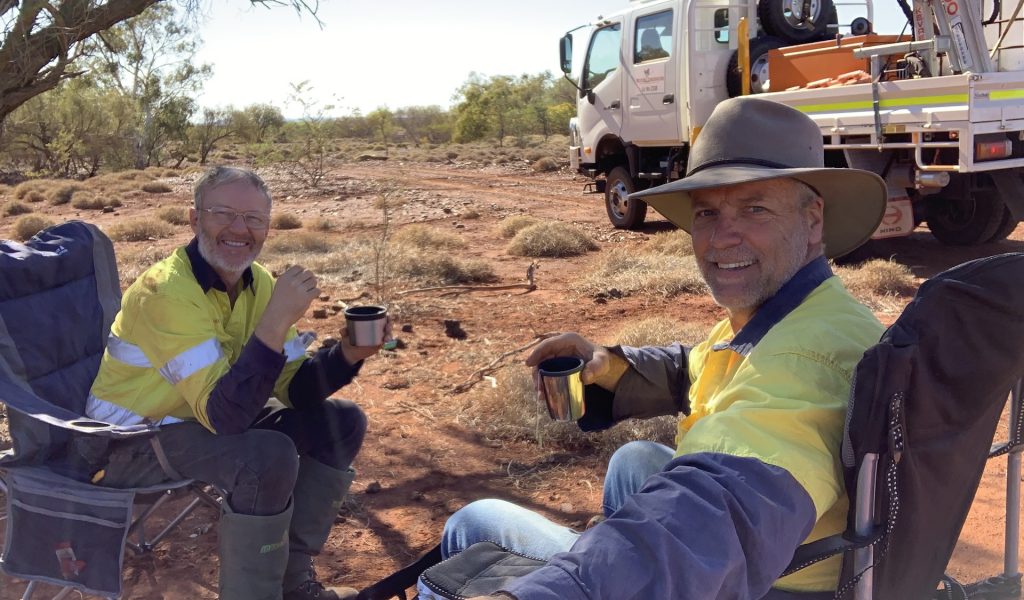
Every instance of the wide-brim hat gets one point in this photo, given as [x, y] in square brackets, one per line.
[750, 139]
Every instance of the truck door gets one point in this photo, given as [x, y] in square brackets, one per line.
[652, 112]
[600, 105]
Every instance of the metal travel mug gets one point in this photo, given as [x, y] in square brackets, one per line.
[562, 386]
[365, 325]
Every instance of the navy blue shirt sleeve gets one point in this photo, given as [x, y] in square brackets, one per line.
[711, 526]
[320, 376]
[243, 391]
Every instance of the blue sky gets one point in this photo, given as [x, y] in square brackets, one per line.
[392, 53]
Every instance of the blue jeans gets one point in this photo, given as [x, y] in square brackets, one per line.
[526, 532]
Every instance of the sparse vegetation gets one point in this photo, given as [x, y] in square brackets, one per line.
[320, 224]
[545, 165]
[31, 191]
[27, 226]
[675, 243]
[882, 285]
[13, 208]
[551, 239]
[61, 193]
[440, 268]
[90, 201]
[140, 230]
[631, 271]
[299, 242]
[425, 237]
[156, 187]
[510, 226]
[174, 215]
[285, 221]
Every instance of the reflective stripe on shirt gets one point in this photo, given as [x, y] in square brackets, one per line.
[126, 352]
[108, 412]
[197, 357]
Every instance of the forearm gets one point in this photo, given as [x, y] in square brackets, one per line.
[320, 376]
[243, 391]
[710, 526]
[656, 383]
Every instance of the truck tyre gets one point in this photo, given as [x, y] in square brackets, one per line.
[759, 48]
[623, 212]
[1006, 226]
[779, 18]
[964, 214]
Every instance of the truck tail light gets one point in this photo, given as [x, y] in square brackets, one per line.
[993, 150]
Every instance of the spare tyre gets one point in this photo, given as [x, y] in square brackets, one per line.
[798, 21]
[759, 48]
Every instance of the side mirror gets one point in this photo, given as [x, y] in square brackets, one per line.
[590, 96]
[565, 53]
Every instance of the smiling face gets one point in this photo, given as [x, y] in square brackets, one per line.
[750, 239]
[230, 247]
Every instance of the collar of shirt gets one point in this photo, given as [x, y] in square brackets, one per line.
[789, 296]
[206, 276]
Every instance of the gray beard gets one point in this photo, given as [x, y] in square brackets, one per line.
[208, 250]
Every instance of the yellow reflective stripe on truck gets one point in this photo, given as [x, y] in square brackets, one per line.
[1006, 94]
[889, 103]
[908, 102]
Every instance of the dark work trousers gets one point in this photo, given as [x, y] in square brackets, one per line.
[256, 469]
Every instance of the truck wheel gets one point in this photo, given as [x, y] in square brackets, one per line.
[782, 18]
[623, 212]
[759, 48]
[1006, 226]
[963, 214]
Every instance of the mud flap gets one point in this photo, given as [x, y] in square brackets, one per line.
[1011, 190]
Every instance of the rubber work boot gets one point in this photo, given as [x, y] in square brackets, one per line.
[253, 554]
[319, 492]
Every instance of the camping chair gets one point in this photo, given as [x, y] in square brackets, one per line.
[59, 293]
[923, 412]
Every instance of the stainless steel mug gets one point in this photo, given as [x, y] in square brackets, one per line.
[365, 325]
[562, 387]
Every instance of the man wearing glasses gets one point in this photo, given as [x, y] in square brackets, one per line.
[205, 346]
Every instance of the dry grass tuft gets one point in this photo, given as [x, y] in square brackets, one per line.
[285, 221]
[676, 243]
[140, 231]
[63, 192]
[882, 285]
[544, 165]
[90, 201]
[511, 411]
[28, 225]
[551, 239]
[470, 214]
[174, 215]
[298, 243]
[13, 208]
[319, 224]
[156, 187]
[630, 271]
[32, 191]
[510, 226]
[440, 268]
[425, 237]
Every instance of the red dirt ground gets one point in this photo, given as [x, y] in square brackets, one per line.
[426, 461]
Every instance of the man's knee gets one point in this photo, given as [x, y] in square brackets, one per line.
[346, 424]
[267, 466]
[638, 455]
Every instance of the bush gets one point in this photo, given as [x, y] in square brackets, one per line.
[28, 225]
[628, 271]
[425, 237]
[13, 208]
[551, 239]
[140, 231]
[675, 243]
[320, 224]
[174, 215]
[510, 226]
[442, 268]
[545, 165]
[880, 284]
[62, 193]
[31, 191]
[299, 242]
[156, 187]
[285, 221]
[470, 215]
[661, 331]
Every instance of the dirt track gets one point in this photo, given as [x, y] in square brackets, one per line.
[427, 462]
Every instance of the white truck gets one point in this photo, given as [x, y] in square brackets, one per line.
[939, 114]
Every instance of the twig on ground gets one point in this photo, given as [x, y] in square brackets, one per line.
[418, 410]
[478, 375]
[462, 289]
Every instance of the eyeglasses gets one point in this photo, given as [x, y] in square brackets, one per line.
[226, 216]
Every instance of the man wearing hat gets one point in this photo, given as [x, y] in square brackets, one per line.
[756, 470]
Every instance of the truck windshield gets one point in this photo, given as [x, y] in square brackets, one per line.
[602, 56]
